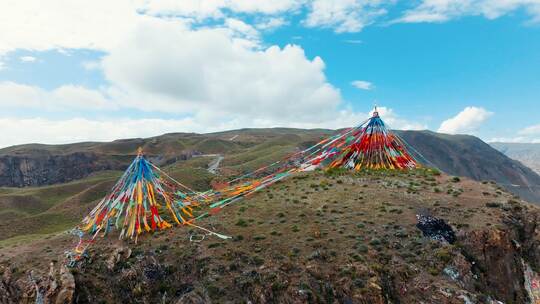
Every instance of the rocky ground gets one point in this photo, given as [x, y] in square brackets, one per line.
[315, 238]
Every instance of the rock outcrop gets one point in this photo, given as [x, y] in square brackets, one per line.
[41, 167]
[58, 287]
[8, 290]
[45, 169]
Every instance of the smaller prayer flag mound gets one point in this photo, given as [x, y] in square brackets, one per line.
[142, 200]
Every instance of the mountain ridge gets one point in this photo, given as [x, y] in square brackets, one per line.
[526, 153]
[461, 155]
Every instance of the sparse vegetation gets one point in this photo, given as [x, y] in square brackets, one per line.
[241, 223]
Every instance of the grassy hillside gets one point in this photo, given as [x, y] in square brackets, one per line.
[43, 210]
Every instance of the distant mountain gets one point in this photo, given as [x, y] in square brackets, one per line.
[247, 149]
[528, 154]
[466, 155]
[39, 164]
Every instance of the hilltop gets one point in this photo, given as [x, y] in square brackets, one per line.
[314, 238]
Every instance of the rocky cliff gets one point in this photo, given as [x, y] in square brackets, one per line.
[44, 168]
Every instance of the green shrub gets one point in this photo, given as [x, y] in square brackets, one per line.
[443, 255]
[375, 242]
[493, 205]
[241, 223]
[433, 271]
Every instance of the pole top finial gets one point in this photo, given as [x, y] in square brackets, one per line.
[375, 112]
[139, 151]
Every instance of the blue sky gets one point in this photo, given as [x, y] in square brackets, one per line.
[426, 72]
[92, 71]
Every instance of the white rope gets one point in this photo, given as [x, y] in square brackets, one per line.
[171, 178]
[221, 236]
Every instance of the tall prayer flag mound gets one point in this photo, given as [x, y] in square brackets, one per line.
[143, 199]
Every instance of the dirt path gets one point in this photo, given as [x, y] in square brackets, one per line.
[213, 166]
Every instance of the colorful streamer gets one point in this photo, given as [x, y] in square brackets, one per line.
[369, 145]
[138, 203]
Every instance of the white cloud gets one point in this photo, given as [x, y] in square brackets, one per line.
[101, 24]
[203, 9]
[22, 131]
[362, 84]
[530, 134]
[187, 71]
[344, 16]
[91, 65]
[27, 59]
[67, 24]
[211, 76]
[241, 29]
[531, 130]
[353, 41]
[263, 6]
[207, 71]
[350, 118]
[19, 96]
[466, 121]
[217, 75]
[515, 139]
[271, 23]
[444, 10]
